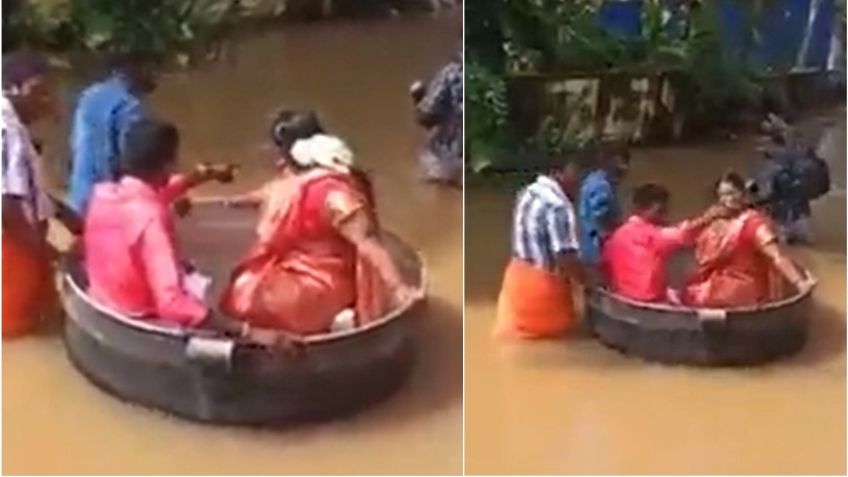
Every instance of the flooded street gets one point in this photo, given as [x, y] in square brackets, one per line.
[356, 76]
[575, 407]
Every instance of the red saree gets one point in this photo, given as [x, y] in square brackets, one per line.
[732, 272]
[301, 272]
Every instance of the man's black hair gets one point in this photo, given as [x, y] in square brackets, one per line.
[150, 146]
[648, 195]
[21, 66]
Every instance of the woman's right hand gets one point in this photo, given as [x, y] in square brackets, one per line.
[405, 294]
[806, 284]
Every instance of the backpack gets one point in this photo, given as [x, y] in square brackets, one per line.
[813, 174]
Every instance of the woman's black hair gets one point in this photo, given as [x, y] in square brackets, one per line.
[150, 146]
[733, 178]
[648, 195]
[289, 126]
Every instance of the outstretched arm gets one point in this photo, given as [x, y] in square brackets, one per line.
[202, 173]
[783, 265]
[252, 198]
[358, 229]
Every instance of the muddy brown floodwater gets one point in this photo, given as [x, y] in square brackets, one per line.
[575, 407]
[356, 75]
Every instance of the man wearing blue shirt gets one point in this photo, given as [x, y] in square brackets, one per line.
[103, 115]
[599, 212]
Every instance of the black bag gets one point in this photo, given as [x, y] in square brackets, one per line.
[814, 174]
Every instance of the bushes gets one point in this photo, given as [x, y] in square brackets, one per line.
[678, 40]
[487, 131]
[157, 27]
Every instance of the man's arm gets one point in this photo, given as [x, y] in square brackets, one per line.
[165, 277]
[601, 204]
[433, 103]
[67, 216]
[125, 116]
[568, 265]
[684, 233]
[564, 245]
[358, 229]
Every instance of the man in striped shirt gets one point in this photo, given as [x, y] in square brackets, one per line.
[536, 298]
[27, 286]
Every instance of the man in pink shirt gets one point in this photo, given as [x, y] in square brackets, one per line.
[131, 257]
[635, 255]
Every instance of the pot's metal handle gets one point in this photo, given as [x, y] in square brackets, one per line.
[211, 352]
[712, 320]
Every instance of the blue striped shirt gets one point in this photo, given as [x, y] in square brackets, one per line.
[543, 224]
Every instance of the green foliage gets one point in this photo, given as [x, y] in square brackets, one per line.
[484, 36]
[487, 131]
[711, 82]
[556, 35]
[151, 26]
[157, 27]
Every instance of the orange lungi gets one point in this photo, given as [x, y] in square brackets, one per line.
[28, 289]
[533, 303]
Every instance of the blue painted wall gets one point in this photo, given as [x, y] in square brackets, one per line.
[786, 28]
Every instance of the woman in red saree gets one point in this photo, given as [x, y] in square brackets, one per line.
[318, 260]
[739, 260]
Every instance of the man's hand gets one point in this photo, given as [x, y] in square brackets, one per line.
[221, 172]
[182, 206]
[717, 211]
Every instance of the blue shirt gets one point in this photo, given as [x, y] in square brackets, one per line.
[598, 207]
[543, 224]
[103, 115]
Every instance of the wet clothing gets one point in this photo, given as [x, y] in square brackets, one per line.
[598, 208]
[441, 108]
[636, 254]
[543, 224]
[301, 273]
[28, 289]
[533, 303]
[732, 271]
[131, 255]
[20, 161]
[104, 113]
[535, 300]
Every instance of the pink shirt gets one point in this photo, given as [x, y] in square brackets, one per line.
[130, 253]
[635, 256]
